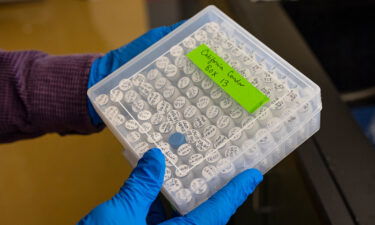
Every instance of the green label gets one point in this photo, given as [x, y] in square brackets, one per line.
[232, 82]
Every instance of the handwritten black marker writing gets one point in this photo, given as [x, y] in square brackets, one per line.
[233, 77]
[212, 59]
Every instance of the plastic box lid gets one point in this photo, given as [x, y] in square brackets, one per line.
[163, 98]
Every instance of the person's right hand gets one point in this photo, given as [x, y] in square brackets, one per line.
[135, 203]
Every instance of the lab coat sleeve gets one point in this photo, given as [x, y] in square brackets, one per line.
[41, 93]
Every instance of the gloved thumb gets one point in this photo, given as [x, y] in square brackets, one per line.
[144, 183]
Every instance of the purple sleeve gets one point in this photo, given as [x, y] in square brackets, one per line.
[40, 93]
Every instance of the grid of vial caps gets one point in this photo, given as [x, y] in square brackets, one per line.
[220, 139]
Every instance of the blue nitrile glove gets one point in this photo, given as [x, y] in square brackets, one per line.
[108, 63]
[134, 204]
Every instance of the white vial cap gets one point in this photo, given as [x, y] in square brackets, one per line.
[118, 119]
[212, 112]
[209, 172]
[192, 136]
[216, 93]
[183, 126]
[160, 82]
[181, 61]
[138, 105]
[228, 44]
[133, 136]
[173, 185]
[190, 111]
[226, 102]
[235, 133]
[203, 144]
[245, 72]
[248, 59]
[263, 136]
[192, 92]
[198, 186]
[111, 112]
[101, 99]
[138, 79]
[207, 84]
[171, 159]
[145, 89]
[162, 62]
[212, 156]
[210, 131]
[255, 81]
[154, 98]
[184, 149]
[144, 115]
[223, 121]
[274, 124]
[141, 147]
[125, 84]
[154, 137]
[179, 102]
[266, 90]
[153, 74]
[200, 121]
[189, 43]
[182, 170]
[167, 174]
[232, 151]
[174, 116]
[236, 51]
[166, 127]
[130, 96]
[195, 159]
[250, 148]
[184, 82]
[220, 141]
[176, 51]
[157, 118]
[131, 125]
[165, 148]
[200, 35]
[225, 166]
[163, 107]
[217, 48]
[171, 71]
[183, 196]
[279, 104]
[197, 76]
[212, 27]
[145, 128]
[169, 91]
[291, 96]
[236, 112]
[305, 108]
[189, 67]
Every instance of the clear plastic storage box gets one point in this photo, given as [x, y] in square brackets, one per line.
[162, 99]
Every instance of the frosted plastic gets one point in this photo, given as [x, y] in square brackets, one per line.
[161, 92]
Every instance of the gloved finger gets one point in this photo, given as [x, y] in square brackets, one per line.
[156, 214]
[220, 207]
[144, 183]
[129, 51]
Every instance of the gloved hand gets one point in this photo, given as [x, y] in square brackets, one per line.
[134, 205]
[103, 66]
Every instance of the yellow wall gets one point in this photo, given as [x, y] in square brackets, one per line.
[53, 179]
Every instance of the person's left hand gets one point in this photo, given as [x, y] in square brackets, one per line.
[135, 203]
[111, 61]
